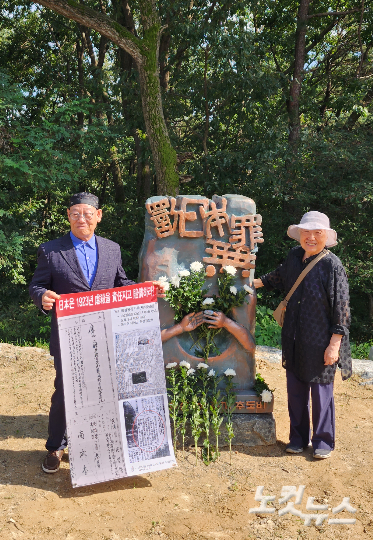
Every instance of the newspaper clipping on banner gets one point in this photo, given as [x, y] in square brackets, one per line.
[114, 383]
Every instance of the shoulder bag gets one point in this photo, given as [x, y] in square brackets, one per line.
[280, 311]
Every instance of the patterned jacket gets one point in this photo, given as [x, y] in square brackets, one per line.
[318, 308]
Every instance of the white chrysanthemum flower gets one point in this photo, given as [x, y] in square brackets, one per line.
[162, 279]
[183, 363]
[184, 273]
[211, 373]
[171, 365]
[175, 281]
[266, 396]
[201, 365]
[230, 270]
[248, 289]
[208, 301]
[196, 266]
[191, 371]
[229, 372]
[165, 285]
[233, 289]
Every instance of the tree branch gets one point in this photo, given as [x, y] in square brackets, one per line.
[209, 13]
[275, 59]
[296, 82]
[333, 13]
[360, 42]
[313, 44]
[102, 49]
[207, 111]
[97, 21]
[88, 44]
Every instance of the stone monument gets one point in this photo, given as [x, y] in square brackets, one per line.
[220, 232]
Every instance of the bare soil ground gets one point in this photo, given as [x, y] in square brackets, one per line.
[189, 502]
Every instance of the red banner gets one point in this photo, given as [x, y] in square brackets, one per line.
[85, 302]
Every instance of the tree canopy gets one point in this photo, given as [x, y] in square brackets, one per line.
[272, 100]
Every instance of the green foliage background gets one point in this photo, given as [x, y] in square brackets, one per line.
[69, 123]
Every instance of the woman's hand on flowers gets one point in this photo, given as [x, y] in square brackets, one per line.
[216, 319]
[257, 283]
[191, 321]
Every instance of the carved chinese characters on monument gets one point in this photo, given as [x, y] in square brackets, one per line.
[170, 215]
[218, 233]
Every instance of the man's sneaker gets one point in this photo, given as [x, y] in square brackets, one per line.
[52, 461]
[292, 449]
[321, 453]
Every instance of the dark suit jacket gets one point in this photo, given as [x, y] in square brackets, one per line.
[59, 270]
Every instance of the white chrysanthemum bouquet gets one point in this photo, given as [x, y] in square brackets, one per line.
[186, 293]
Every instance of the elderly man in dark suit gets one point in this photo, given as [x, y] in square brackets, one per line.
[79, 261]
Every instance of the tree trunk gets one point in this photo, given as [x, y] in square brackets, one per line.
[145, 53]
[143, 182]
[207, 109]
[80, 53]
[164, 155]
[164, 68]
[143, 188]
[117, 178]
[326, 99]
[103, 186]
[370, 298]
[296, 83]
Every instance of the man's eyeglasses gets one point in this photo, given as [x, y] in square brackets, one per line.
[87, 216]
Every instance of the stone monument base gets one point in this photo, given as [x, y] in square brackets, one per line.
[252, 429]
[249, 430]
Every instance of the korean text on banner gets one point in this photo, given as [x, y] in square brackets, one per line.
[114, 383]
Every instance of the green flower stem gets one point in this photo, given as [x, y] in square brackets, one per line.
[216, 419]
[195, 422]
[230, 399]
[184, 420]
[229, 428]
[206, 425]
[186, 391]
[174, 403]
[208, 334]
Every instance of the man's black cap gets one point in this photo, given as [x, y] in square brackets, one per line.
[84, 198]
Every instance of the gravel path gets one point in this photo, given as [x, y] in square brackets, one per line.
[364, 368]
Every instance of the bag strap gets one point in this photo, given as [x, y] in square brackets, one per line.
[304, 273]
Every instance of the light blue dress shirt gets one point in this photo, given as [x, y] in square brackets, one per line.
[87, 256]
